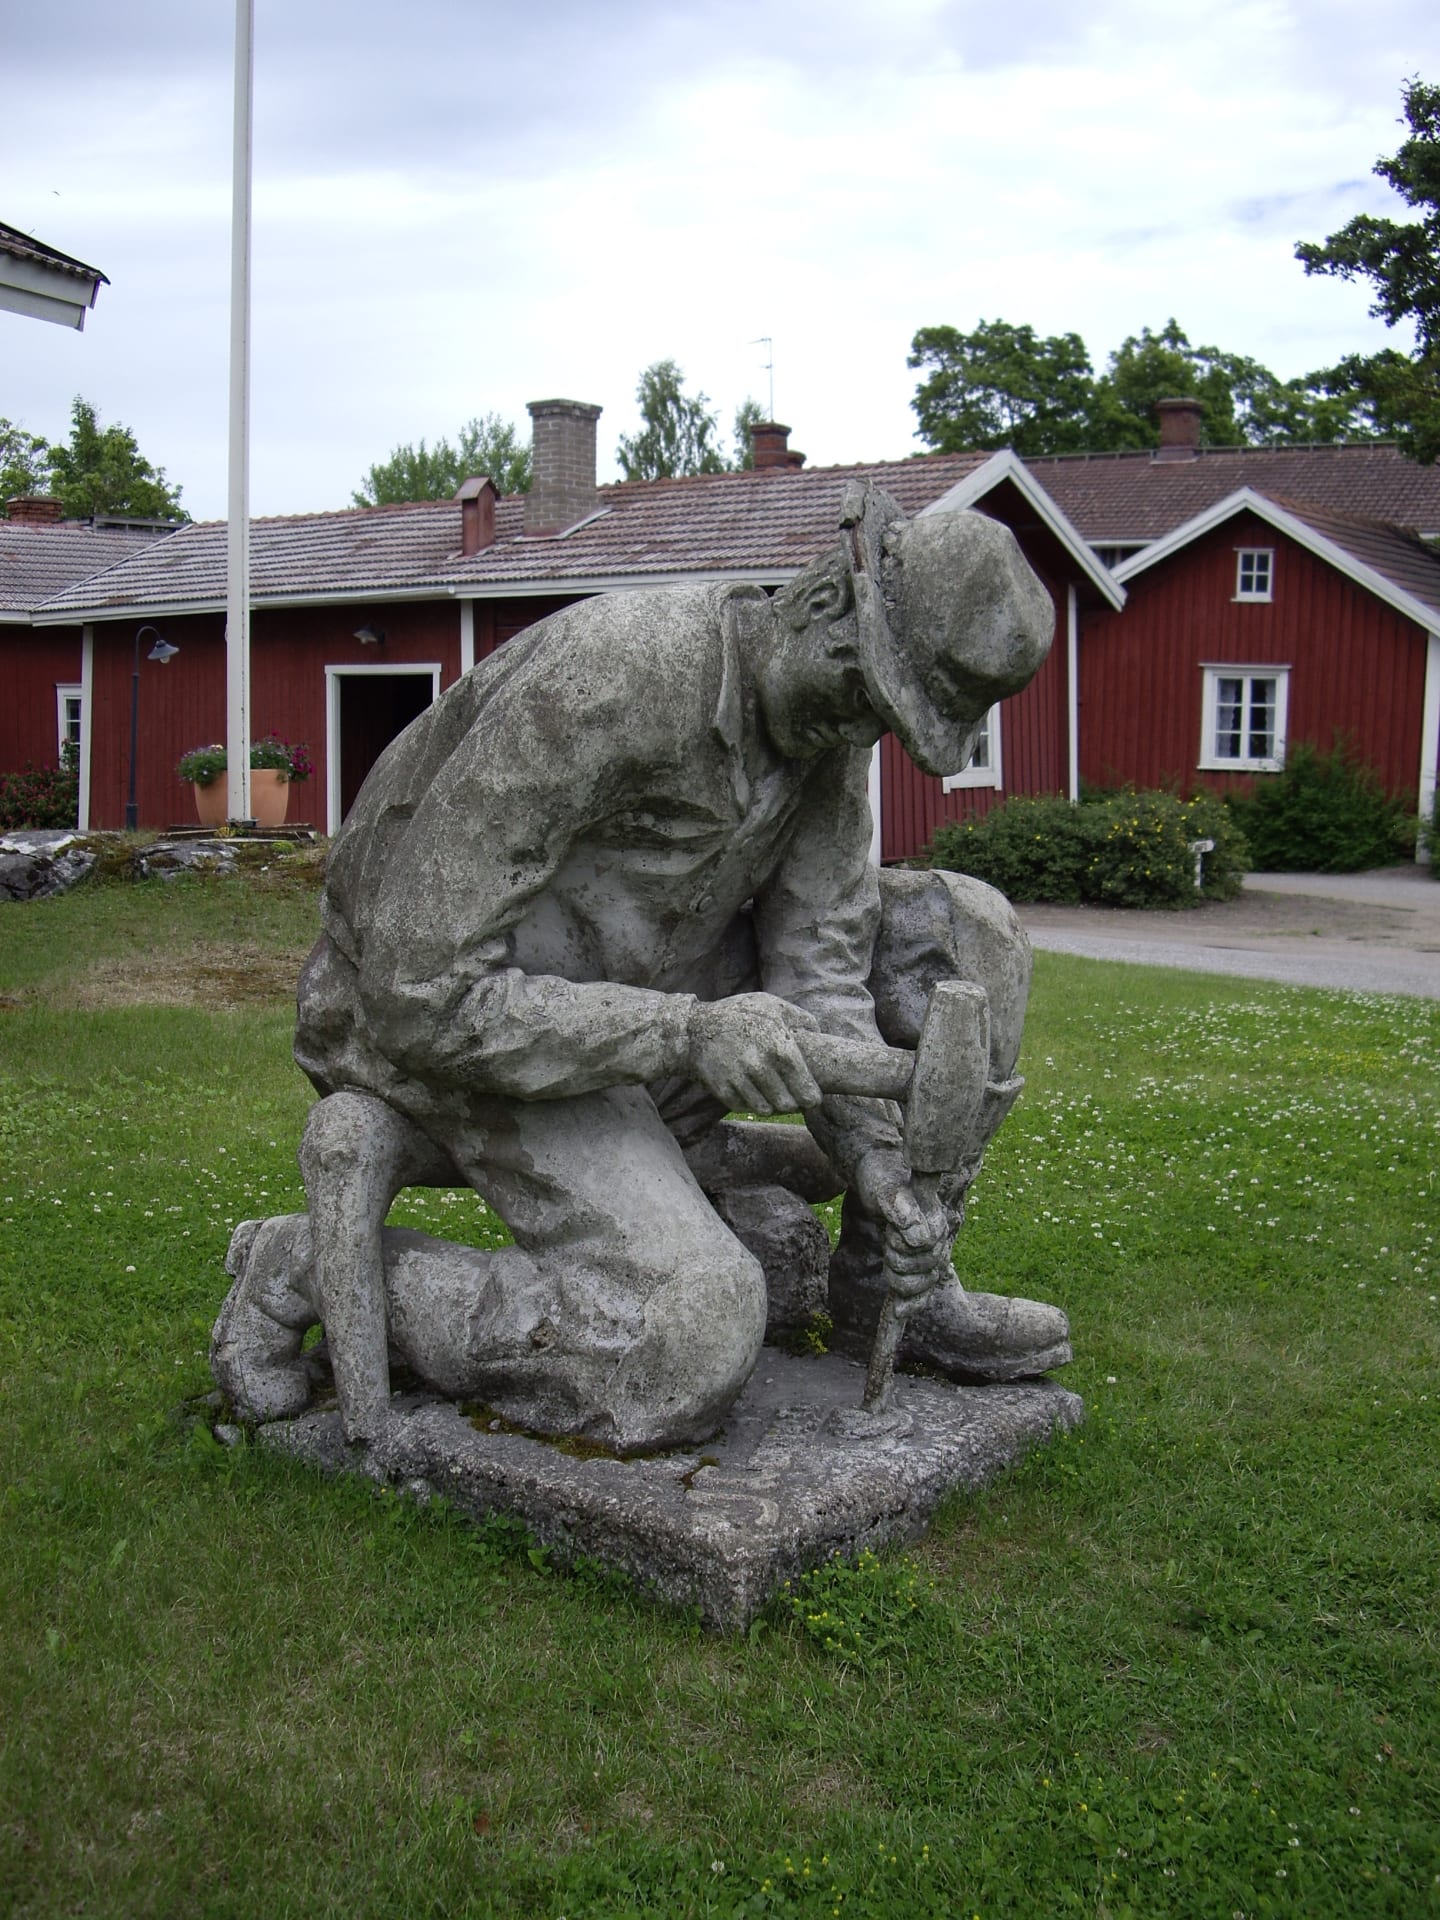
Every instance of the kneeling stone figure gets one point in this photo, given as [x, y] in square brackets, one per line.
[586, 905]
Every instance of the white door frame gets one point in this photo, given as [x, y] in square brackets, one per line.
[333, 677]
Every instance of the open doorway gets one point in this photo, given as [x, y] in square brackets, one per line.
[365, 708]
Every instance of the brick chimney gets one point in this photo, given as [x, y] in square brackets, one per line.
[35, 509]
[477, 515]
[1179, 429]
[770, 447]
[562, 485]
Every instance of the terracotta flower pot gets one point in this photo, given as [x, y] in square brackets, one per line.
[210, 802]
[269, 796]
[269, 799]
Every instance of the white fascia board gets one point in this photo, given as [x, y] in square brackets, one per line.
[621, 583]
[1245, 499]
[43, 292]
[1006, 465]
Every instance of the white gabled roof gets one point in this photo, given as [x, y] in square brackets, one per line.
[1396, 566]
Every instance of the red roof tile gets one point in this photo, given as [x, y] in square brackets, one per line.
[39, 561]
[763, 525]
[1118, 498]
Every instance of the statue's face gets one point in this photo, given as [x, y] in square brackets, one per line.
[812, 689]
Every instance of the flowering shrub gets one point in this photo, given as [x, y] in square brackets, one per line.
[40, 796]
[1122, 849]
[202, 765]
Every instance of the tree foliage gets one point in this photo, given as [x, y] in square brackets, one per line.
[102, 470]
[1401, 261]
[679, 432]
[1002, 386]
[1007, 386]
[485, 445]
[24, 465]
[748, 416]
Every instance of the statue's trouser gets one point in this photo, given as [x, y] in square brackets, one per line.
[626, 1309]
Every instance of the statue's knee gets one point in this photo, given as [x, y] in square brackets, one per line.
[347, 1133]
[935, 926]
[704, 1330]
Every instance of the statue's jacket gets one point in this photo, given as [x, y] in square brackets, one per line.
[577, 838]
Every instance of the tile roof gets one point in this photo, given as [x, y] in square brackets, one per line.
[37, 562]
[762, 525]
[1122, 497]
[1401, 557]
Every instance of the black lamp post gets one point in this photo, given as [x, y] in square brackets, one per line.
[161, 651]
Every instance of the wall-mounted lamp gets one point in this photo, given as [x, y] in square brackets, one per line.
[370, 636]
[161, 651]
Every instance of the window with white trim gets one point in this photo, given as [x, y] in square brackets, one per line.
[67, 717]
[982, 769]
[1243, 729]
[1254, 572]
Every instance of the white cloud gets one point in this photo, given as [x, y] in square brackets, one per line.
[461, 206]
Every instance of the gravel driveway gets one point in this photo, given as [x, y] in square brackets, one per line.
[1363, 932]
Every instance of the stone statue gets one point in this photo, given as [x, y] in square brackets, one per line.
[612, 886]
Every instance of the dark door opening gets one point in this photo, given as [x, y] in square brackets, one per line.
[374, 707]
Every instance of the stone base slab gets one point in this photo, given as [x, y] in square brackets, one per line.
[793, 1478]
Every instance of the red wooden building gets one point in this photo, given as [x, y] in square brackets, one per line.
[359, 618]
[1260, 622]
[40, 667]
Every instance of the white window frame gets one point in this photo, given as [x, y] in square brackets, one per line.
[1255, 555]
[1211, 759]
[64, 694]
[989, 773]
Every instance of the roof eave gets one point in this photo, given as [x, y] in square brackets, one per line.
[1246, 499]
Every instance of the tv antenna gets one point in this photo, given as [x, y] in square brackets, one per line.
[769, 365]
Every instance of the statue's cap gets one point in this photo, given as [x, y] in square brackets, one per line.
[952, 618]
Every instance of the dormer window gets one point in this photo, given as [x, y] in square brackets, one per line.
[1254, 572]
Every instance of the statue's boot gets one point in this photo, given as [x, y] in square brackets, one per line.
[976, 1339]
[255, 1348]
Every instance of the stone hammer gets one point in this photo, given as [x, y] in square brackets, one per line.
[951, 1108]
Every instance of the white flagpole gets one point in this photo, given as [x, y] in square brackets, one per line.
[237, 602]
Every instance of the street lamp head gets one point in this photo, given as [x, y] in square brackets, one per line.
[162, 649]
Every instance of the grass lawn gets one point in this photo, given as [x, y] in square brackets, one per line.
[1185, 1662]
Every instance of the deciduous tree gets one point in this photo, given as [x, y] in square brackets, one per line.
[24, 463]
[486, 444]
[1006, 386]
[1002, 386]
[678, 435]
[1401, 261]
[102, 470]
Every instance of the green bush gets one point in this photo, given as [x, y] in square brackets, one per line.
[1030, 848]
[1432, 836]
[1123, 849]
[39, 797]
[1325, 813]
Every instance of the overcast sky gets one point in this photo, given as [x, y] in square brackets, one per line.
[462, 205]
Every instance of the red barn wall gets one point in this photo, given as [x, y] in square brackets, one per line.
[36, 661]
[1034, 757]
[1355, 664]
[182, 704]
